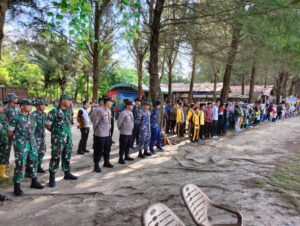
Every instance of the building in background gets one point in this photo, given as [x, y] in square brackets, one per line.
[21, 92]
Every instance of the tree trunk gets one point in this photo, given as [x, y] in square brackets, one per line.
[283, 76]
[252, 84]
[139, 65]
[243, 85]
[230, 61]
[293, 84]
[3, 9]
[215, 86]
[170, 80]
[96, 52]
[192, 77]
[154, 46]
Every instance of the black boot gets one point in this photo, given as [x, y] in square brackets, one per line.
[146, 153]
[141, 154]
[69, 176]
[108, 165]
[3, 198]
[97, 167]
[128, 158]
[121, 161]
[86, 151]
[17, 190]
[80, 152]
[40, 169]
[52, 182]
[35, 184]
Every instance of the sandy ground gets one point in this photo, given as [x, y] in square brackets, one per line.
[229, 170]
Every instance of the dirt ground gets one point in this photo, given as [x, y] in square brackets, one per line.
[234, 171]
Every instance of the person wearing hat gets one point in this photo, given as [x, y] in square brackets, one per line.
[22, 130]
[101, 119]
[136, 111]
[11, 112]
[144, 131]
[4, 152]
[39, 116]
[155, 128]
[125, 125]
[59, 123]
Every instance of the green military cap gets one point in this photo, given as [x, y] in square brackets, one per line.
[26, 102]
[11, 96]
[65, 97]
[1, 103]
[40, 101]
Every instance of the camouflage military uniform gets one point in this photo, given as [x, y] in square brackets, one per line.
[40, 118]
[60, 121]
[144, 133]
[11, 112]
[4, 152]
[25, 145]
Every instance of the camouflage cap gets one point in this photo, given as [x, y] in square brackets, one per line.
[65, 97]
[40, 101]
[11, 96]
[26, 102]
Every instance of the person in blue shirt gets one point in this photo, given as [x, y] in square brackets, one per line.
[144, 130]
[155, 128]
[167, 115]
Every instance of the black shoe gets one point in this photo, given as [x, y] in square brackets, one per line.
[3, 198]
[17, 190]
[112, 142]
[121, 161]
[40, 169]
[35, 184]
[141, 155]
[69, 176]
[97, 168]
[128, 158]
[86, 151]
[80, 152]
[52, 183]
[146, 153]
[108, 165]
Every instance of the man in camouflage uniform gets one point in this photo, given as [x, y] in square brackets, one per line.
[40, 117]
[11, 112]
[155, 128]
[59, 122]
[145, 133]
[4, 153]
[22, 129]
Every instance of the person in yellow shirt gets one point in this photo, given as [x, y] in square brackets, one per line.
[189, 117]
[180, 120]
[202, 121]
[196, 124]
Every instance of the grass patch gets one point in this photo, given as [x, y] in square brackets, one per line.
[286, 179]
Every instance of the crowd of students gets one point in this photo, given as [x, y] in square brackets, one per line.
[137, 122]
[211, 120]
